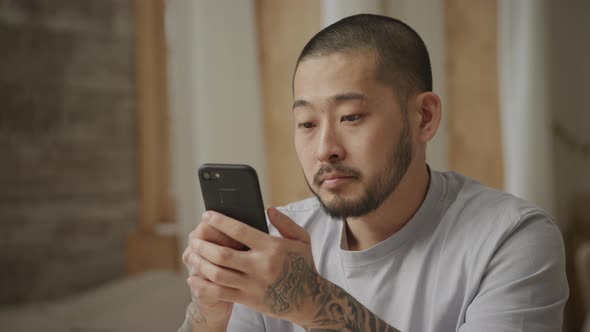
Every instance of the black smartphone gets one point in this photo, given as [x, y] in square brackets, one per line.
[234, 191]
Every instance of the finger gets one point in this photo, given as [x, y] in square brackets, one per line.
[208, 292]
[185, 259]
[286, 226]
[196, 285]
[217, 274]
[192, 268]
[189, 263]
[185, 254]
[222, 256]
[237, 230]
[206, 232]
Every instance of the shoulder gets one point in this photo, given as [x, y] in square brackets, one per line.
[514, 251]
[486, 224]
[474, 196]
[479, 209]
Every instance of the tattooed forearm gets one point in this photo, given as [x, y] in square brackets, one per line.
[295, 282]
[194, 317]
[339, 311]
[336, 310]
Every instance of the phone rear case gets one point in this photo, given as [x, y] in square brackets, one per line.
[235, 193]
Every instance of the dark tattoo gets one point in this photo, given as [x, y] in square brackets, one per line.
[288, 292]
[337, 310]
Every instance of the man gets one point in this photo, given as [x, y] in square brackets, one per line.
[386, 244]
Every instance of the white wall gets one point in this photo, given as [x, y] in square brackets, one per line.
[214, 95]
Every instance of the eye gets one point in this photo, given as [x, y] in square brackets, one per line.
[350, 117]
[306, 125]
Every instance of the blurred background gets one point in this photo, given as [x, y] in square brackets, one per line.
[108, 107]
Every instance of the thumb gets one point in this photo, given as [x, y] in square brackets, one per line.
[287, 227]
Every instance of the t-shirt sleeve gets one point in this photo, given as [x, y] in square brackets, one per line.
[244, 319]
[524, 287]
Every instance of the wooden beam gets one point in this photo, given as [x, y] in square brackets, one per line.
[146, 249]
[152, 115]
[473, 107]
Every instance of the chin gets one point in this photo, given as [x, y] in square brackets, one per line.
[338, 202]
[337, 196]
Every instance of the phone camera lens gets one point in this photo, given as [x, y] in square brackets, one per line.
[206, 175]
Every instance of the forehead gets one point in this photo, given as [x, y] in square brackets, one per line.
[336, 72]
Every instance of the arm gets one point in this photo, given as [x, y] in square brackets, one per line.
[335, 309]
[195, 320]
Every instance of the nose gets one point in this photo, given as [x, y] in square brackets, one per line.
[330, 149]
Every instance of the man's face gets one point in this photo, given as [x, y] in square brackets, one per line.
[351, 135]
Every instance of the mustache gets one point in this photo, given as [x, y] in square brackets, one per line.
[339, 168]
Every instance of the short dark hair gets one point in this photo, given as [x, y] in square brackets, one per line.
[402, 57]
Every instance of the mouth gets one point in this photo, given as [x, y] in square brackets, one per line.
[334, 180]
[332, 176]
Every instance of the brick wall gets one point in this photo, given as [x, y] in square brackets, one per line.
[68, 182]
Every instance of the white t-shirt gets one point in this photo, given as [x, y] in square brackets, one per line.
[470, 259]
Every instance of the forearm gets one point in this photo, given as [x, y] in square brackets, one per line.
[340, 311]
[195, 321]
[322, 305]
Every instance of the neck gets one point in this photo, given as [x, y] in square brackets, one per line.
[395, 212]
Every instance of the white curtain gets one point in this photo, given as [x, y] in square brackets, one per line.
[525, 103]
[545, 100]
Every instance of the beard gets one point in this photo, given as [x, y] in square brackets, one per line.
[377, 190]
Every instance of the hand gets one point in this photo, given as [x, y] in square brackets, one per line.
[276, 276]
[203, 310]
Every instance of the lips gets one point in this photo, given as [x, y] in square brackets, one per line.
[334, 177]
[333, 181]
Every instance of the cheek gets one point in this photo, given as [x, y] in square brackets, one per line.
[374, 147]
[304, 152]
[365, 147]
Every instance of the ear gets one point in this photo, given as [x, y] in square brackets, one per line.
[428, 115]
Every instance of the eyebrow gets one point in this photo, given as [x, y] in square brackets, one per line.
[335, 99]
[300, 103]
